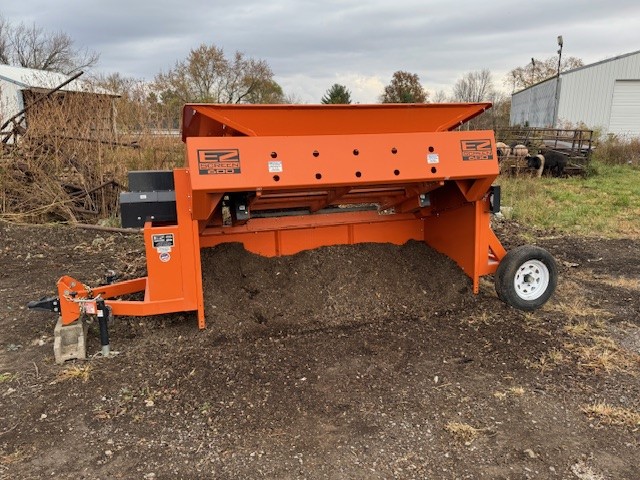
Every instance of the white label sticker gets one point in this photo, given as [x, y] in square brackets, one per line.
[275, 167]
[433, 158]
[164, 249]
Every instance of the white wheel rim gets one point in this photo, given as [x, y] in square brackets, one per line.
[531, 280]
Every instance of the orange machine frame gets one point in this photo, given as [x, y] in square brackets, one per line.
[310, 175]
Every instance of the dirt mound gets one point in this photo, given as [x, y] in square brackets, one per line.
[246, 293]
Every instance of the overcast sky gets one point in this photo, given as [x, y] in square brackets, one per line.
[310, 45]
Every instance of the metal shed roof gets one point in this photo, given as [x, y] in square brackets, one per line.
[28, 78]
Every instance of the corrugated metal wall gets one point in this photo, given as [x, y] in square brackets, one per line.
[10, 100]
[587, 92]
[586, 95]
[534, 106]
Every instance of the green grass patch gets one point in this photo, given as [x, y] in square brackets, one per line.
[6, 377]
[606, 203]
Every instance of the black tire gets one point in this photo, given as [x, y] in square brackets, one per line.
[526, 277]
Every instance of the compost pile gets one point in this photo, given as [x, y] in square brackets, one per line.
[339, 285]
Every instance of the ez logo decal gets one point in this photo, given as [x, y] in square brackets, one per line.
[219, 162]
[476, 150]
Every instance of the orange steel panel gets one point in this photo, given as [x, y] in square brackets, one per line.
[164, 263]
[294, 241]
[121, 288]
[70, 310]
[453, 233]
[398, 232]
[274, 163]
[300, 222]
[279, 241]
[270, 120]
[464, 235]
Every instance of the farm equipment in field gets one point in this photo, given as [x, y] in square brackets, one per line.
[285, 178]
[575, 144]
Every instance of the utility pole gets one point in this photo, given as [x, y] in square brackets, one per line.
[533, 74]
[557, 97]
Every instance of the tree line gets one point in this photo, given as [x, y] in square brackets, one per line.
[209, 75]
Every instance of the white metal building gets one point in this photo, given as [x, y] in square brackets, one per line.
[14, 80]
[20, 86]
[604, 95]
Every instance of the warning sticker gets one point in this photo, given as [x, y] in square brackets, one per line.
[476, 150]
[219, 162]
[275, 167]
[165, 257]
[162, 241]
[433, 158]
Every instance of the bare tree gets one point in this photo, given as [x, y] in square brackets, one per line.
[4, 41]
[245, 76]
[33, 47]
[478, 86]
[474, 87]
[206, 75]
[539, 70]
[404, 87]
[440, 96]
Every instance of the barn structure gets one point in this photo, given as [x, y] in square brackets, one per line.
[88, 110]
[604, 95]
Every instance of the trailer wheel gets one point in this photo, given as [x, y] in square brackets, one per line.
[526, 277]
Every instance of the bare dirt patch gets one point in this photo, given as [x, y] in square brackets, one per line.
[370, 361]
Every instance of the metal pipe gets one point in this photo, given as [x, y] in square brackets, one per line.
[557, 96]
[103, 317]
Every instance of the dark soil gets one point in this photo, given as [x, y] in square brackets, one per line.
[343, 362]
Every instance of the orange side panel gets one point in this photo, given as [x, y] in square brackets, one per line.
[291, 240]
[453, 233]
[164, 263]
[228, 164]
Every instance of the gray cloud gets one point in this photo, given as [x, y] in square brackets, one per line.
[311, 44]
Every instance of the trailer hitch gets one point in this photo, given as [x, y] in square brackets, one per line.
[73, 344]
[45, 304]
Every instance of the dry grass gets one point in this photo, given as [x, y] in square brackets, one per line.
[17, 456]
[463, 432]
[604, 354]
[596, 351]
[622, 282]
[534, 322]
[75, 373]
[614, 149]
[577, 308]
[613, 415]
[512, 391]
[72, 159]
[484, 318]
[549, 360]
[585, 328]
[517, 391]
